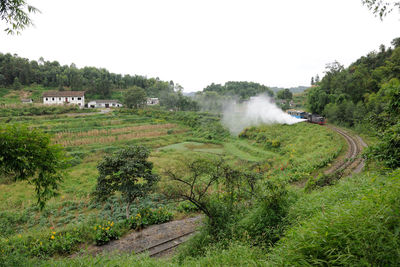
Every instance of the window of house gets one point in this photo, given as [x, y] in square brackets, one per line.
[47, 99]
[72, 98]
[79, 98]
[52, 98]
[59, 98]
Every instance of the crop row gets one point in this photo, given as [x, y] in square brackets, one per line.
[114, 138]
[102, 132]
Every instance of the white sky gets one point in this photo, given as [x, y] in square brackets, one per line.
[194, 43]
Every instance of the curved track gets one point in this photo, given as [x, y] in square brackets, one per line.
[352, 162]
[167, 245]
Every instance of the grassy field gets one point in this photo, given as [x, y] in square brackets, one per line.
[302, 149]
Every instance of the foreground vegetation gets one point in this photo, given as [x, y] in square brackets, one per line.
[74, 218]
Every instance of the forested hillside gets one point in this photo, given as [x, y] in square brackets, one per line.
[347, 95]
[365, 95]
[17, 73]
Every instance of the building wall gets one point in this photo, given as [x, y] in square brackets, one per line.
[80, 101]
[103, 105]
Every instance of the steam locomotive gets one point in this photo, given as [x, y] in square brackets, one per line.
[313, 118]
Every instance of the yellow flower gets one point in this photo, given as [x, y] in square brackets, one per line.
[52, 237]
[53, 233]
[94, 228]
[19, 236]
[41, 243]
[112, 223]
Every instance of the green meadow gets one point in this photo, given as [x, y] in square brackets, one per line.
[278, 152]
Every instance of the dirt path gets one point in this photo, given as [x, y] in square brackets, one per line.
[156, 239]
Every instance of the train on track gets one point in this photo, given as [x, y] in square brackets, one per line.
[313, 118]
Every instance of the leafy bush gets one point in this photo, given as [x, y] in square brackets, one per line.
[360, 227]
[264, 224]
[187, 207]
[148, 216]
[105, 233]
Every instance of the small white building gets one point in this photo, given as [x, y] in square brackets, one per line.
[64, 97]
[26, 100]
[152, 101]
[104, 104]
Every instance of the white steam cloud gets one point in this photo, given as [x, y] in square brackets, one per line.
[258, 110]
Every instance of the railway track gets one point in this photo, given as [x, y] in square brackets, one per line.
[165, 246]
[352, 161]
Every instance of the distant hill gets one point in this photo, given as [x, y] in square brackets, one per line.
[298, 89]
[189, 94]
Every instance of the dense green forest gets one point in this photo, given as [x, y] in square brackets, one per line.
[244, 90]
[17, 72]
[366, 95]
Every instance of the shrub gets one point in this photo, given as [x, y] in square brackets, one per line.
[105, 232]
[147, 216]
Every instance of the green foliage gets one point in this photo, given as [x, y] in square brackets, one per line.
[353, 224]
[242, 89]
[177, 101]
[380, 8]
[105, 232]
[39, 109]
[97, 82]
[187, 207]
[135, 97]
[264, 223]
[349, 96]
[284, 94]
[387, 123]
[28, 155]
[15, 13]
[148, 216]
[16, 84]
[128, 172]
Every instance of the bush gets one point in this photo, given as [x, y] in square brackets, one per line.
[360, 227]
[147, 216]
[105, 232]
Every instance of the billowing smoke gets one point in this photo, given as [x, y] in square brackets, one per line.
[258, 110]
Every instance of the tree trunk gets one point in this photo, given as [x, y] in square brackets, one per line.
[128, 205]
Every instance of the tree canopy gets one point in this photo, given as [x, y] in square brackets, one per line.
[381, 8]
[135, 97]
[127, 171]
[27, 154]
[244, 90]
[15, 13]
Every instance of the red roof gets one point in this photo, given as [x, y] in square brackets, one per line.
[64, 94]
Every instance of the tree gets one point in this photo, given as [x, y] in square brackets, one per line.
[16, 84]
[381, 8]
[127, 171]
[195, 181]
[27, 154]
[15, 13]
[135, 97]
[284, 94]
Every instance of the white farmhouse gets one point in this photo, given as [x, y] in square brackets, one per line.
[152, 101]
[104, 104]
[64, 97]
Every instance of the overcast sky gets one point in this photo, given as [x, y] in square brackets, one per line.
[194, 43]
